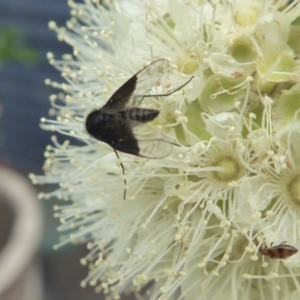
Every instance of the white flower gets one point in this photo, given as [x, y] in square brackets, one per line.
[193, 222]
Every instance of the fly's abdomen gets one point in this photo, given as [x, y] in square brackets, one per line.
[140, 114]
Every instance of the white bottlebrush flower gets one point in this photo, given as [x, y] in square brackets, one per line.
[193, 222]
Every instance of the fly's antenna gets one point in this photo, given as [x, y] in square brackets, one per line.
[123, 170]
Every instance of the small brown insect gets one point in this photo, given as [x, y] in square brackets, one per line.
[280, 251]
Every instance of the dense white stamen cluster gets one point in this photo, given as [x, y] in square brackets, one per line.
[194, 221]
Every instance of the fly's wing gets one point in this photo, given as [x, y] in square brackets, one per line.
[127, 146]
[121, 96]
[126, 140]
[146, 148]
[137, 86]
[155, 148]
[121, 138]
[148, 77]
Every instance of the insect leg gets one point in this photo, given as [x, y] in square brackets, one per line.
[123, 170]
[176, 89]
[166, 94]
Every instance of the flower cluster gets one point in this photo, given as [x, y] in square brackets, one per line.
[194, 222]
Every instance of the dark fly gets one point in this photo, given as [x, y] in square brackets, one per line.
[114, 122]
